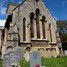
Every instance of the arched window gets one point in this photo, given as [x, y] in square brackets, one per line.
[43, 18]
[31, 24]
[19, 40]
[43, 25]
[37, 11]
[24, 29]
[50, 32]
[37, 22]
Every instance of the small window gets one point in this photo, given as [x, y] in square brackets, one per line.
[50, 32]
[24, 29]
[43, 25]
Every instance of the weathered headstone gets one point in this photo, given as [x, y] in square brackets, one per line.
[6, 61]
[35, 59]
[19, 52]
[10, 59]
[65, 52]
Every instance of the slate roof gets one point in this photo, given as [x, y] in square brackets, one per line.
[19, 4]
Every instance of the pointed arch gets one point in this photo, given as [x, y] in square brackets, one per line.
[37, 22]
[24, 29]
[31, 24]
[43, 26]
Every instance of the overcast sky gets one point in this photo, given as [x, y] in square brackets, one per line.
[58, 8]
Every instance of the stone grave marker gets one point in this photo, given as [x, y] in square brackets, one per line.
[6, 61]
[14, 58]
[19, 52]
[35, 59]
[10, 59]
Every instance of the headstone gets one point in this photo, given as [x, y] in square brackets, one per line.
[19, 52]
[10, 59]
[14, 58]
[6, 61]
[35, 59]
[65, 52]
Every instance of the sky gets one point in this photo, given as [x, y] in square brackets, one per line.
[58, 8]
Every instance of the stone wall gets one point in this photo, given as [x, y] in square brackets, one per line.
[24, 10]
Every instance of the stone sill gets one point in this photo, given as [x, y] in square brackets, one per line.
[24, 42]
[52, 43]
[12, 40]
[39, 39]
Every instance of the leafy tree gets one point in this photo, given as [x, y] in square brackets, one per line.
[62, 28]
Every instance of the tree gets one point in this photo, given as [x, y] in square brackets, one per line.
[62, 28]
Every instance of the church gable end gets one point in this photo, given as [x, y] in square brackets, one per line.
[33, 26]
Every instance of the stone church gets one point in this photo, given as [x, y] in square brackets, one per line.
[31, 26]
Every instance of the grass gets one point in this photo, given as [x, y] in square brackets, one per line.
[55, 62]
[0, 62]
[24, 64]
[50, 62]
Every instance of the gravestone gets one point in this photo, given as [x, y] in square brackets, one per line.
[35, 59]
[65, 52]
[6, 60]
[9, 59]
[19, 51]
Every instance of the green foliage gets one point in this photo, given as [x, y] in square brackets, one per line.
[62, 28]
[63, 38]
[24, 63]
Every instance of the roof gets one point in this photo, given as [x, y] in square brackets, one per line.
[19, 4]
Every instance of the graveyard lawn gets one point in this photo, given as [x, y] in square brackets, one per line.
[50, 62]
[0, 62]
[55, 62]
